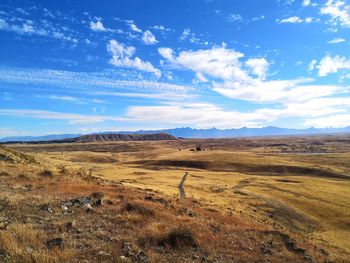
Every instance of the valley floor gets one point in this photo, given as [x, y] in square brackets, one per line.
[281, 199]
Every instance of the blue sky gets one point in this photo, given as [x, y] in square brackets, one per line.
[89, 66]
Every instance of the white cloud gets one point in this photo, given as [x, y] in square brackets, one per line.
[134, 27]
[206, 115]
[292, 19]
[306, 2]
[161, 28]
[297, 20]
[200, 115]
[97, 26]
[148, 38]
[122, 56]
[330, 64]
[257, 18]
[70, 117]
[258, 66]
[275, 91]
[64, 98]
[97, 80]
[43, 30]
[312, 65]
[336, 41]
[187, 34]
[234, 17]
[217, 62]
[166, 53]
[334, 121]
[309, 20]
[246, 80]
[338, 11]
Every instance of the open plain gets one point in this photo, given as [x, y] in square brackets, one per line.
[296, 186]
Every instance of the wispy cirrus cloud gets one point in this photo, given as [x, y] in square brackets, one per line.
[336, 40]
[100, 83]
[31, 28]
[296, 20]
[72, 118]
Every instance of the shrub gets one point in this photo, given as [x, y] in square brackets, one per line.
[46, 173]
[4, 173]
[179, 238]
[138, 208]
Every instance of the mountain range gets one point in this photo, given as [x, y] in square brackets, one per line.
[187, 132]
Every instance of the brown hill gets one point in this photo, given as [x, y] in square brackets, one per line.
[124, 137]
[12, 156]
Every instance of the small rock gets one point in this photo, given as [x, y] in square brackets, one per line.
[103, 254]
[56, 242]
[124, 259]
[46, 207]
[89, 208]
[64, 209]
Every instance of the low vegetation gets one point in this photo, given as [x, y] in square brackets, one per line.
[65, 209]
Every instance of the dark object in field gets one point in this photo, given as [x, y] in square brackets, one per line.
[179, 238]
[138, 208]
[4, 173]
[56, 242]
[198, 148]
[97, 198]
[47, 173]
[157, 200]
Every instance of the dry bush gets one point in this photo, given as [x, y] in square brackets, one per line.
[138, 208]
[179, 238]
[46, 173]
[4, 173]
[176, 238]
[22, 176]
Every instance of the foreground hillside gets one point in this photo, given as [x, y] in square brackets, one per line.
[247, 201]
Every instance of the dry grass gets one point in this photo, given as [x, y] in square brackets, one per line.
[245, 199]
[21, 243]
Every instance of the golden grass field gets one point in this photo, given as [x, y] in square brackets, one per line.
[300, 184]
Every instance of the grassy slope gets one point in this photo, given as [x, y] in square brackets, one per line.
[238, 177]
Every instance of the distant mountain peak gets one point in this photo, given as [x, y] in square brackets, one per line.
[187, 132]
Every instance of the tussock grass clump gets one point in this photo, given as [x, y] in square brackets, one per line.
[177, 238]
[22, 176]
[46, 173]
[138, 208]
[4, 173]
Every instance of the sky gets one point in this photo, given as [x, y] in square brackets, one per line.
[90, 66]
